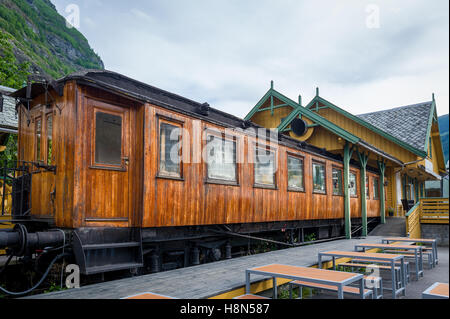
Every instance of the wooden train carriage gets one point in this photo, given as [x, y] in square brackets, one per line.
[106, 136]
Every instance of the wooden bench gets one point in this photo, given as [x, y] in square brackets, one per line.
[250, 296]
[428, 254]
[381, 267]
[408, 277]
[437, 291]
[347, 289]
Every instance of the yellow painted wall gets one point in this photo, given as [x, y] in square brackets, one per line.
[266, 119]
[436, 153]
[367, 135]
[325, 139]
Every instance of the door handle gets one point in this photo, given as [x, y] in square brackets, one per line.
[126, 160]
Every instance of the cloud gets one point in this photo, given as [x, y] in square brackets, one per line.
[226, 52]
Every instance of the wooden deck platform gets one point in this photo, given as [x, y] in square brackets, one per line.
[206, 280]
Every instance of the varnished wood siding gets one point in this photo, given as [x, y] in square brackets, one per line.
[103, 197]
[193, 201]
[158, 202]
[62, 151]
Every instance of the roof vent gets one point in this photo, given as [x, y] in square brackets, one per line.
[246, 124]
[203, 109]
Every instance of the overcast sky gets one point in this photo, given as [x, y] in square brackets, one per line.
[364, 56]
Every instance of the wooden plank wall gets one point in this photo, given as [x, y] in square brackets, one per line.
[161, 202]
[192, 201]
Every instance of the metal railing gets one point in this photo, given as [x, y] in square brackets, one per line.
[14, 189]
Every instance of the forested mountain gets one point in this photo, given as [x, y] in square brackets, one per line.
[34, 38]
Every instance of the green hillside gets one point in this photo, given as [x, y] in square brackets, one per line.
[36, 34]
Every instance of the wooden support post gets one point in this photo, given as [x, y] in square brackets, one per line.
[382, 169]
[363, 158]
[416, 189]
[347, 214]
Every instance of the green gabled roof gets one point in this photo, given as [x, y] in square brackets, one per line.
[298, 109]
[371, 127]
[269, 94]
[258, 105]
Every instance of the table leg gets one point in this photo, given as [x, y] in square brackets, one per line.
[340, 291]
[403, 275]
[394, 283]
[247, 282]
[320, 261]
[334, 263]
[421, 261]
[417, 264]
[361, 288]
[435, 257]
[275, 291]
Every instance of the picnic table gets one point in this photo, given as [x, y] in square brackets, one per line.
[148, 295]
[437, 291]
[418, 254]
[338, 279]
[433, 243]
[375, 257]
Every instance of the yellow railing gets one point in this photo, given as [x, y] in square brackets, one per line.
[434, 210]
[427, 211]
[413, 222]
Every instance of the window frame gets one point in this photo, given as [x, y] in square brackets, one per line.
[113, 167]
[302, 158]
[37, 153]
[376, 190]
[223, 137]
[367, 186]
[47, 115]
[266, 148]
[180, 124]
[356, 184]
[335, 168]
[324, 164]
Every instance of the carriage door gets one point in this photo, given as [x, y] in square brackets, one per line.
[43, 181]
[108, 175]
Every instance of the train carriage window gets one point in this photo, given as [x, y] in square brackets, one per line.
[367, 187]
[221, 160]
[38, 138]
[352, 185]
[319, 178]
[108, 139]
[295, 173]
[337, 181]
[376, 188]
[169, 150]
[265, 167]
[49, 139]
